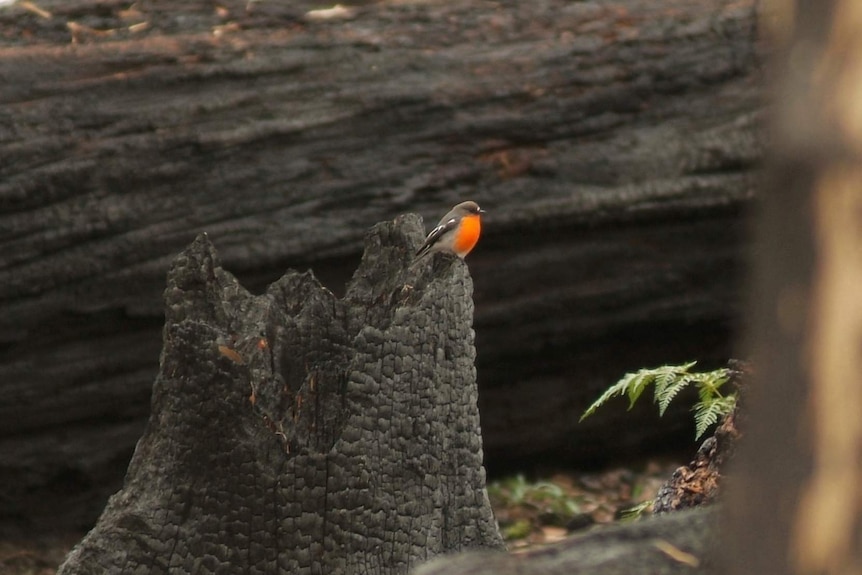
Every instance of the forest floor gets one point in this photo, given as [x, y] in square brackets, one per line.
[540, 511]
[530, 511]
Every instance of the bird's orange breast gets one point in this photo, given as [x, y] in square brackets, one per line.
[468, 234]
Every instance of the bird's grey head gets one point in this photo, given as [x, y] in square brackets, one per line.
[468, 207]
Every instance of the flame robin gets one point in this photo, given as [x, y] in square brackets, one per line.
[456, 233]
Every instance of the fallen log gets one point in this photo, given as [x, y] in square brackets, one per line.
[679, 543]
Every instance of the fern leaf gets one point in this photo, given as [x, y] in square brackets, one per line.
[706, 413]
[670, 379]
[709, 383]
[670, 392]
[668, 375]
[631, 385]
[637, 384]
[684, 367]
[619, 388]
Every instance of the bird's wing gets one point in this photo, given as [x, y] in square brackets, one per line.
[436, 234]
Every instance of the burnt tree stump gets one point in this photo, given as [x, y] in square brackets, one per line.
[295, 432]
[615, 146]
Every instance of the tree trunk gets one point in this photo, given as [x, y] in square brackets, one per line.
[296, 432]
[614, 146]
[796, 503]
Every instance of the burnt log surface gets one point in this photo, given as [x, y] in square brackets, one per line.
[613, 145]
[681, 543]
[301, 433]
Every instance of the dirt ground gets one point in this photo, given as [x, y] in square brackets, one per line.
[40, 556]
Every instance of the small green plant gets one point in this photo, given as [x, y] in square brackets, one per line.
[541, 495]
[520, 529]
[638, 511]
[524, 507]
[669, 380]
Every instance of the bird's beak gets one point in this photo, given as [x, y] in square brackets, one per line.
[481, 211]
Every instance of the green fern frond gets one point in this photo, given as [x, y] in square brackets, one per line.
[619, 388]
[668, 382]
[637, 383]
[663, 380]
[668, 375]
[669, 393]
[709, 383]
[708, 412]
[631, 385]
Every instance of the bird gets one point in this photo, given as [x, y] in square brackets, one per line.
[457, 232]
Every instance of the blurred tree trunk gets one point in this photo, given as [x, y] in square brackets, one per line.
[797, 502]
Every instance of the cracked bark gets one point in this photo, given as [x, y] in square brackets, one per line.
[297, 432]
